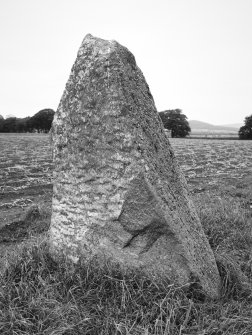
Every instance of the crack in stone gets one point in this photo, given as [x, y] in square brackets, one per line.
[151, 232]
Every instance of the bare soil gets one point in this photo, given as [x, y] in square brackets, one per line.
[26, 172]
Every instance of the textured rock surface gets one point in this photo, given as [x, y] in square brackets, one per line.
[118, 192]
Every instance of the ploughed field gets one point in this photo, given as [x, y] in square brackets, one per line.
[214, 163]
[26, 168]
[25, 173]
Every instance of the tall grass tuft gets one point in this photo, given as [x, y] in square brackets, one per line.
[41, 296]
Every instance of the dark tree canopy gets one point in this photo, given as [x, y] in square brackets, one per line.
[1, 122]
[9, 125]
[245, 132]
[40, 122]
[175, 121]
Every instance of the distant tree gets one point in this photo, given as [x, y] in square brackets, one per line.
[245, 132]
[22, 125]
[1, 123]
[9, 125]
[14, 125]
[175, 121]
[42, 121]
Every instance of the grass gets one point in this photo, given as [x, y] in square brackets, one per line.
[40, 296]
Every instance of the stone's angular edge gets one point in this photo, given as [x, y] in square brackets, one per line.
[118, 192]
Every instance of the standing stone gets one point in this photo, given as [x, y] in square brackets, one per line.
[118, 192]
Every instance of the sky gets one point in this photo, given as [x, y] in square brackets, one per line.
[196, 55]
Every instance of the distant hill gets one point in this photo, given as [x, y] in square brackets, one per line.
[204, 127]
[233, 125]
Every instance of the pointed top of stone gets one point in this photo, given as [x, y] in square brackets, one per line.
[89, 38]
[98, 46]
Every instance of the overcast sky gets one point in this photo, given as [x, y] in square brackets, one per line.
[196, 55]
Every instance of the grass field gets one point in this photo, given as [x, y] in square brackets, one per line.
[38, 296]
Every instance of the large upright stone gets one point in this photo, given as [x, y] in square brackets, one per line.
[118, 192]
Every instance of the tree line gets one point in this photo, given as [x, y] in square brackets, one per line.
[40, 122]
[173, 120]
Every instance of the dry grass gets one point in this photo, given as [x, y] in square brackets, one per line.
[39, 296]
